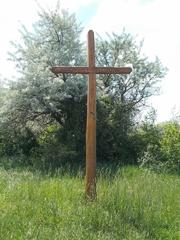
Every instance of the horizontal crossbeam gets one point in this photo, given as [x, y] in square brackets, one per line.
[87, 70]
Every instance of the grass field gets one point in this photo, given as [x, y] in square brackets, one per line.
[131, 204]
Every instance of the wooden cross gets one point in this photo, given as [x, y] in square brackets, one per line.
[91, 70]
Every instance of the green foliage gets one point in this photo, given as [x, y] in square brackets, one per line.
[15, 141]
[170, 145]
[121, 97]
[134, 204]
[38, 99]
[161, 147]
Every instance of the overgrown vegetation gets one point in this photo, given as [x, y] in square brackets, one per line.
[43, 116]
[42, 130]
[131, 204]
[162, 147]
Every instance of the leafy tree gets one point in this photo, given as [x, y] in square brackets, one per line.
[125, 95]
[39, 99]
[54, 41]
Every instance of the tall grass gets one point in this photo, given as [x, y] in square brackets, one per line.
[131, 204]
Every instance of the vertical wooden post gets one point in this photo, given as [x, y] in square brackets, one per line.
[91, 122]
[91, 70]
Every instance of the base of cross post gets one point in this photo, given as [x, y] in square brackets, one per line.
[90, 193]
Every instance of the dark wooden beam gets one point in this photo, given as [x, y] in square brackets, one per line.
[87, 70]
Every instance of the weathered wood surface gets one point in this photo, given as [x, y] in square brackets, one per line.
[91, 123]
[74, 70]
[88, 70]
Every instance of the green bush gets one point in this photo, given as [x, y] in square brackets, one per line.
[163, 153]
[52, 153]
[170, 145]
[17, 141]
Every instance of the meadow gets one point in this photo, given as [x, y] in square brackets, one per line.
[131, 203]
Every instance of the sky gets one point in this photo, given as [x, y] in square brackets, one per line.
[155, 21]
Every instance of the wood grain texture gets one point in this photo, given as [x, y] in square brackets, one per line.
[74, 70]
[88, 70]
[91, 123]
[113, 70]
